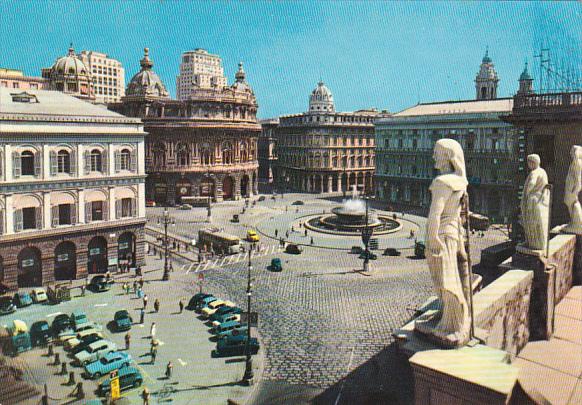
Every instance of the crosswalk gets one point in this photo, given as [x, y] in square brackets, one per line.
[224, 261]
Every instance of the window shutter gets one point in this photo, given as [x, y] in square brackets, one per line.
[38, 212]
[104, 162]
[117, 161]
[105, 208]
[53, 161]
[73, 162]
[73, 214]
[134, 207]
[88, 212]
[1, 164]
[16, 164]
[133, 161]
[55, 215]
[87, 162]
[118, 207]
[18, 221]
[37, 167]
[1, 222]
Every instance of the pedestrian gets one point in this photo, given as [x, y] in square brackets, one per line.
[154, 353]
[292, 228]
[306, 233]
[153, 330]
[286, 208]
[169, 367]
[145, 301]
[287, 234]
[139, 292]
[312, 240]
[178, 247]
[141, 316]
[127, 340]
[124, 287]
[412, 234]
[171, 267]
[155, 252]
[199, 258]
[134, 285]
[174, 244]
[145, 395]
[181, 305]
[138, 271]
[82, 290]
[157, 305]
[276, 232]
[141, 282]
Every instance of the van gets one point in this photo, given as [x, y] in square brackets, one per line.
[129, 377]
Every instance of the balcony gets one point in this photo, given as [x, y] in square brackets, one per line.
[551, 103]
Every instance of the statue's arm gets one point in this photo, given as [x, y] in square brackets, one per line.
[440, 195]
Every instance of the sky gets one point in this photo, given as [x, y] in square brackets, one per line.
[387, 55]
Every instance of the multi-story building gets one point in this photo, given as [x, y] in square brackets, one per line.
[15, 79]
[324, 151]
[405, 141]
[205, 146]
[199, 70]
[267, 154]
[71, 76]
[71, 188]
[108, 76]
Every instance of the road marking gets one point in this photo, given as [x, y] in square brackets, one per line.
[55, 314]
[182, 362]
[101, 305]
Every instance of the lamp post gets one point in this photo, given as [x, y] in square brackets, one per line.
[209, 209]
[248, 376]
[366, 238]
[166, 220]
[344, 184]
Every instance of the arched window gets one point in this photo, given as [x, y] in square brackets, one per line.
[159, 154]
[125, 159]
[227, 155]
[96, 160]
[63, 161]
[206, 157]
[27, 163]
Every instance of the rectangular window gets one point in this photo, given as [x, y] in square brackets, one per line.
[29, 218]
[65, 214]
[97, 211]
[126, 207]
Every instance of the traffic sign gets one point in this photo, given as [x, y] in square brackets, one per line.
[115, 391]
[254, 318]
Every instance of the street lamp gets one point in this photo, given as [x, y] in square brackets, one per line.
[248, 376]
[166, 220]
[366, 237]
[209, 209]
[344, 184]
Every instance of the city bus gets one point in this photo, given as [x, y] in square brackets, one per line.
[213, 239]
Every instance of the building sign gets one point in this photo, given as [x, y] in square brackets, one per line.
[113, 261]
[63, 257]
[123, 245]
[115, 391]
[27, 263]
[94, 251]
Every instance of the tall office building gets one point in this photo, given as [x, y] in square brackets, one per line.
[108, 76]
[199, 70]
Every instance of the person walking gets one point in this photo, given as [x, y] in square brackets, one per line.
[145, 301]
[287, 234]
[135, 286]
[141, 282]
[169, 367]
[153, 330]
[145, 395]
[306, 233]
[141, 316]
[276, 232]
[127, 340]
[181, 305]
[157, 305]
[312, 240]
[154, 354]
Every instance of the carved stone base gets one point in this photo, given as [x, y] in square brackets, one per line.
[521, 248]
[426, 325]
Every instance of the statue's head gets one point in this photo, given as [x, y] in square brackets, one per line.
[576, 152]
[448, 156]
[533, 161]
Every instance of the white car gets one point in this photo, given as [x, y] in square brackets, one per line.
[213, 307]
[235, 317]
[39, 295]
[74, 342]
[95, 351]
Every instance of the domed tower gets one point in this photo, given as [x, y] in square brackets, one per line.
[71, 76]
[240, 82]
[146, 83]
[486, 81]
[525, 82]
[321, 99]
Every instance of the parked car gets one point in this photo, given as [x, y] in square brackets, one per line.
[88, 327]
[298, 202]
[78, 318]
[84, 342]
[226, 348]
[235, 218]
[204, 302]
[95, 351]
[252, 236]
[40, 333]
[222, 311]
[107, 363]
[6, 305]
[99, 284]
[356, 250]
[129, 377]
[82, 337]
[185, 207]
[196, 299]
[371, 256]
[240, 329]
[391, 252]
[293, 249]
[226, 326]
[122, 321]
[60, 323]
[22, 299]
[261, 198]
[39, 295]
[213, 307]
[227, 318]
[276, 264]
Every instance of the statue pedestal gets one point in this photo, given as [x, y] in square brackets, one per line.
[471, 375]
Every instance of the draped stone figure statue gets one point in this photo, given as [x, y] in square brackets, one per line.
[535, 207]
[572, 190]
[445, 252]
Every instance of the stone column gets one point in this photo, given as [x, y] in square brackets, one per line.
[81, 206]
[9, 212]
[46, 208]
[329, 184]
[339, 183]
[321, 185]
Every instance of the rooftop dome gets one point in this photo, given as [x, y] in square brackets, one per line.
[525, 74]
[70, 65]
[240, 83]
[321, 99]
[146, 82]
[486, 58]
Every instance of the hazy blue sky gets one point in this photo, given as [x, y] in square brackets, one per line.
[387, 55]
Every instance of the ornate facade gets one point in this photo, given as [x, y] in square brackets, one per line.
[71, 76]
[267, 154]
[205, 146]
[323, 151]
[72, 188]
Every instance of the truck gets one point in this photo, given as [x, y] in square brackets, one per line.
[18, 339]
[213, 239]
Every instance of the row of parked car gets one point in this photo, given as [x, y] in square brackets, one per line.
[9, 303]
[224, 319]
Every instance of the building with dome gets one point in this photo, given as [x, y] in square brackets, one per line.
[486, 80]
[202, 147]
[71, 76]
[324, 151]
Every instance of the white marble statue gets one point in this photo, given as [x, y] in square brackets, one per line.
[445, 251]
[572, 191]
[354, 192]
[535, 206]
